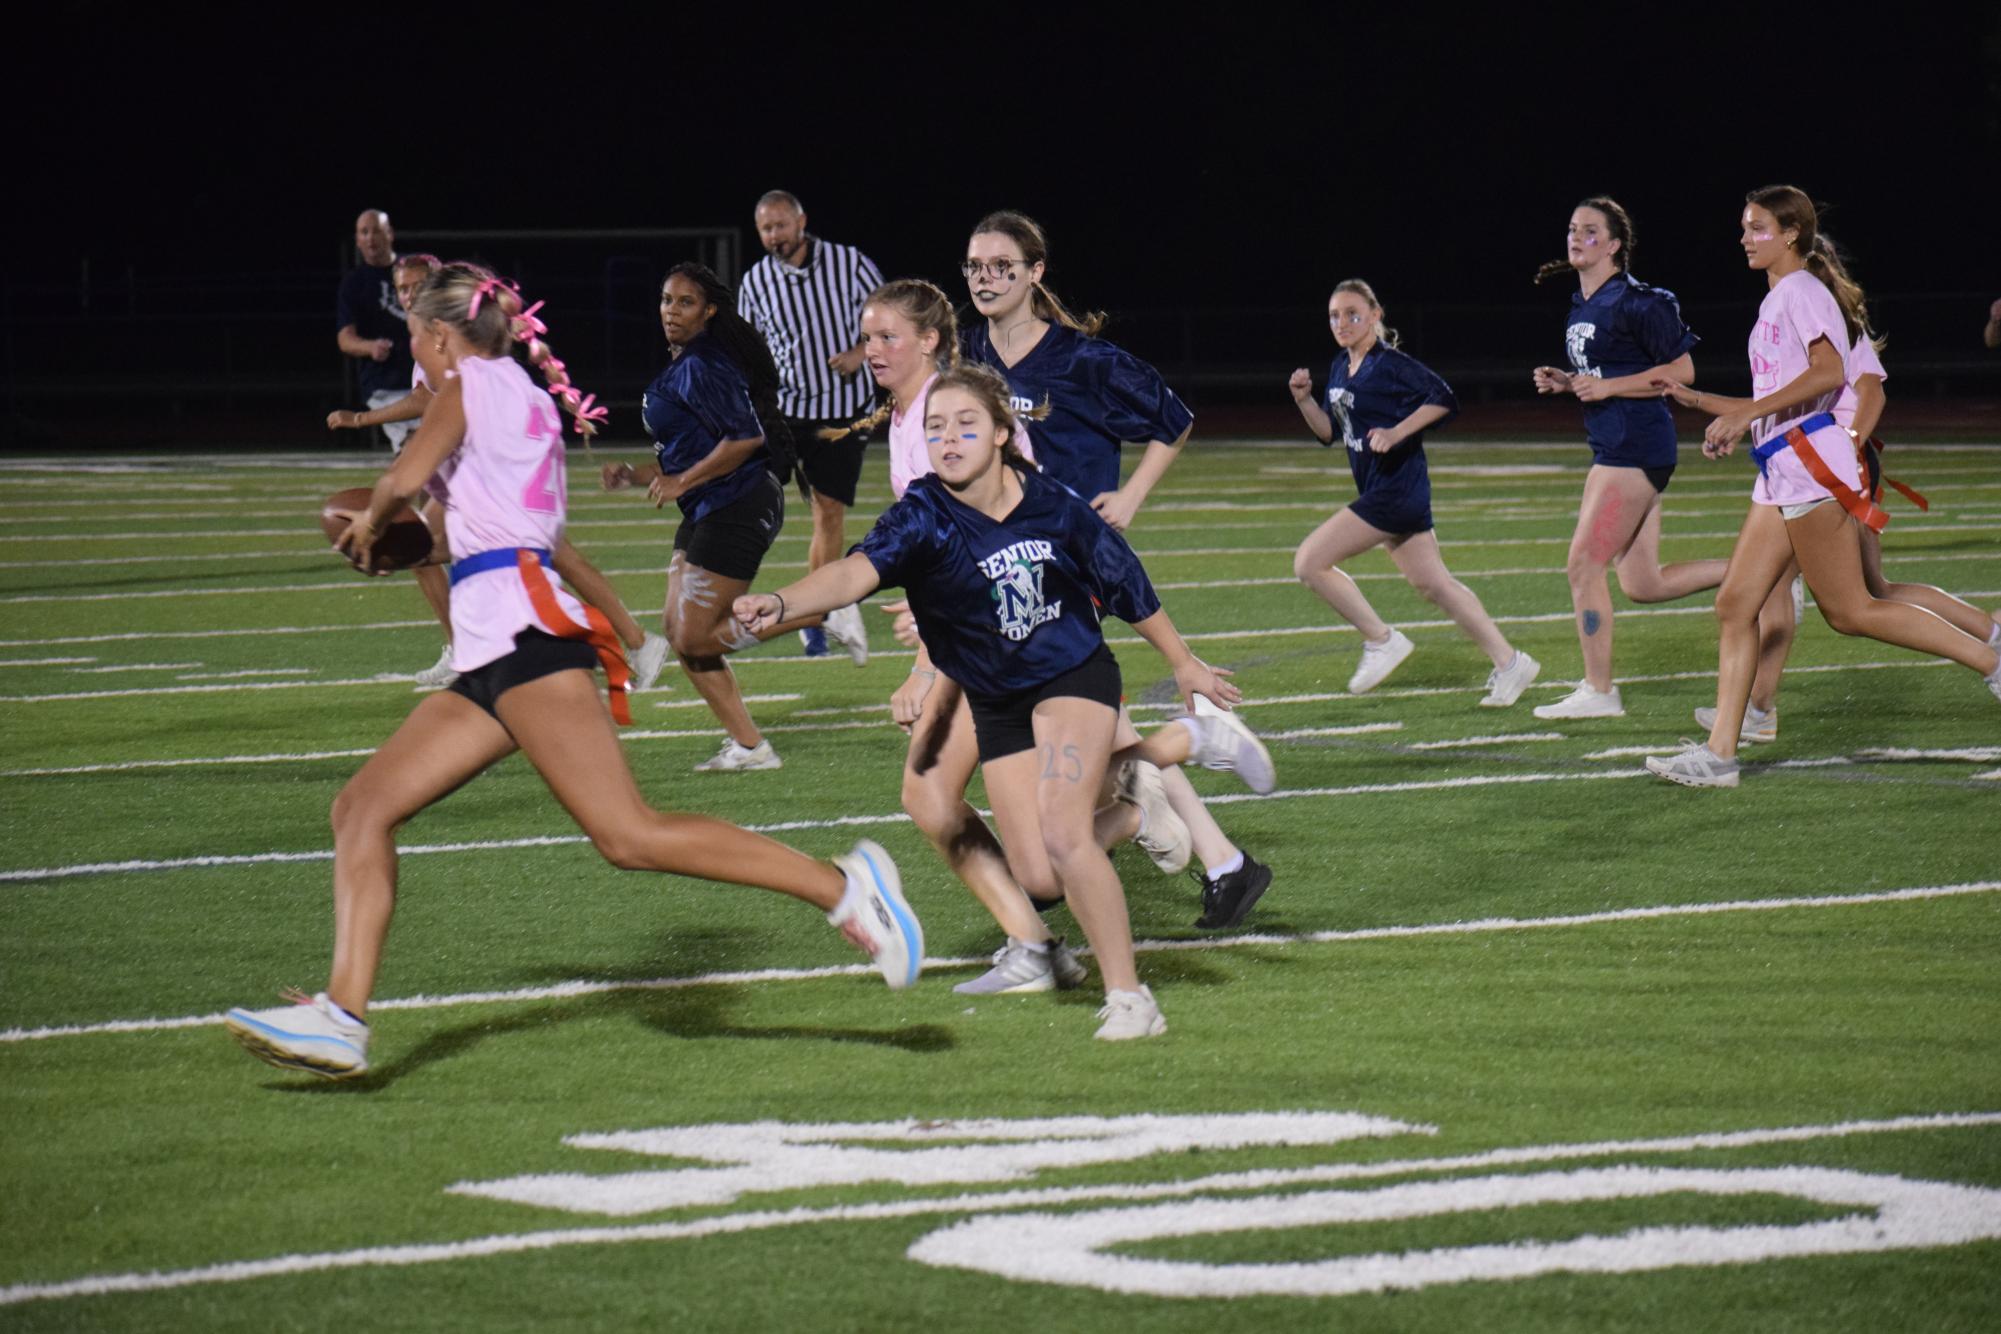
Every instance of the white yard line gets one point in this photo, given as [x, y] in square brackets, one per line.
[1483, 926]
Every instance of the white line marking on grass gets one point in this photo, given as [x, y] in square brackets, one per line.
[1991, 773]
[972, 1202]
[1299, 733]
[179, 558]
[1505, 739]
[1975, 754]
[1485, 926]
[138, 667]
[245, 632]
[127, 766]
[1628, 752]
[251, 671]
[840, 822]
[42, 662]
[380, 679]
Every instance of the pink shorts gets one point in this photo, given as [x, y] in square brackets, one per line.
[1786, 481]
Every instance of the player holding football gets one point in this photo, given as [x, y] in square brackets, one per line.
[525, 651]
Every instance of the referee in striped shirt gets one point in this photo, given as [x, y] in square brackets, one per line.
[805, 296]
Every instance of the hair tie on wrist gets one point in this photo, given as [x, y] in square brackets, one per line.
[781, 609]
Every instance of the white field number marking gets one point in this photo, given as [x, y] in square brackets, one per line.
[1071, 1249]
[775, 1156]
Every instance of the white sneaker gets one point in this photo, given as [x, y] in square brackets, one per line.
[1799, 598]
[1162, 835]
[1225, 744]
[733, 757]
[1756, 729]
[647, 660]
[1698, 766]
[1019, 967]
[1378, 661]
[1584, 702]
[844, 627]
[873, 914]
[1130, 1014]
[1993, 680]
[312, 1035]
[1506, 684]
[439, 674]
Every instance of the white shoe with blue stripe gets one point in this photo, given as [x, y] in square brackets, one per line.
[874, 914]
[313, 1035]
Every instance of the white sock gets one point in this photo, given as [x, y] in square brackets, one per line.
[1235, 863]
[1994, 636]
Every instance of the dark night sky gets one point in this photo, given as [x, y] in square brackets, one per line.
[1239, 160]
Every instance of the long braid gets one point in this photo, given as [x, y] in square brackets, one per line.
[929, 310]
[487, 309]
[1618, 222]
[746, 347]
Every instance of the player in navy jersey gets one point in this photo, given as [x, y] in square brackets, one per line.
[1379, 403]
[1007, 571]
[710, 459]
[1096, 397]
[1623, 336]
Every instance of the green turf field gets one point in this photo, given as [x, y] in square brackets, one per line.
[1520, 1038]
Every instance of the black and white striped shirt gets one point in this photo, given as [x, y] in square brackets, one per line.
[808, 315]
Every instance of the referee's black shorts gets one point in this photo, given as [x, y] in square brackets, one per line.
[831, 467]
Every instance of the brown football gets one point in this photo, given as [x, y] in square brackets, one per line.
[403, 541]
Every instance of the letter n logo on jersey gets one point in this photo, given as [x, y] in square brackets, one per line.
[1577, 340]
[1017, 596]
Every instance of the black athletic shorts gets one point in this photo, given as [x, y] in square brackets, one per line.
[1005, 724]
[832, 467]
[1659, 477]
[732, 541]
[537, 653]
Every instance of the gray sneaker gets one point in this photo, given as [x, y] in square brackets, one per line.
[1697, 766]
[439, 674]
[1019, 966]
[733, 758]
[1756, 729]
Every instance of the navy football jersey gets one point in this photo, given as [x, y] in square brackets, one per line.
[698, 402]
[1100, 396]
[1626, 327]
[1007, 605]
[1387, 387]
[367, 301]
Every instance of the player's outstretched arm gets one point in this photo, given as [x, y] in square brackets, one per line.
[835, 584]
[443, 429]
[407, 408]
[1641, 384]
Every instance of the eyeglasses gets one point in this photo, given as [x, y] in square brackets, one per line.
[1359, 317]
[1003, 269]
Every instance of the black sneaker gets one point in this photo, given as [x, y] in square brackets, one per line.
[1228, 899]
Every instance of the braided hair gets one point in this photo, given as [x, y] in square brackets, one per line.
[929, 310]
[745, 347]
[487, 309]
[1617, 221]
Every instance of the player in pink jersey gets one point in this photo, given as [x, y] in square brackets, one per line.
[1857, 411]
[649, 652]
[1808, 481]
[491, 447]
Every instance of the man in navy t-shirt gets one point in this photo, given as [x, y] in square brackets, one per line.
[370, 322]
